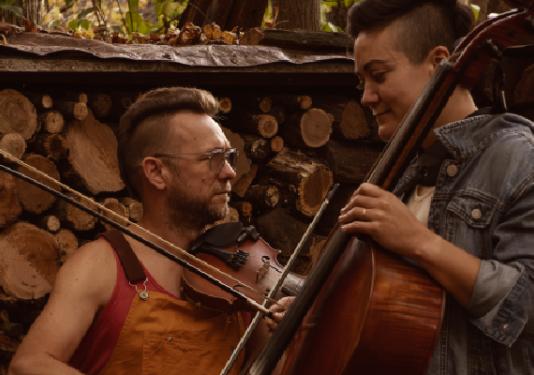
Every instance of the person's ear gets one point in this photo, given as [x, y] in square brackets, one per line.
[153, 171]
[437, 55]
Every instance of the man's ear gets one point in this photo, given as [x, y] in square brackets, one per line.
[153, 172]
[437, 55]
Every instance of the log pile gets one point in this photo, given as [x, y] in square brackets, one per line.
[292, 148]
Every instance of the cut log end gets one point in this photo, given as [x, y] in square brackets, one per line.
[277, 144]
[10, 208]
[265, 104]
[313, 189]
[267, 125]
[134, 207]
[13, 143]
[53, 122]
[93, 155]
[29, 261]
[117, 207]
[225, 105]
[76, 218]
[353, 125]
[67, 243]
[33, 198]
[315, 127]
[305, 102]
[47, 102]
[17, 114]
[51, 223]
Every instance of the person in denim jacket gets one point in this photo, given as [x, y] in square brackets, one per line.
[464, 209]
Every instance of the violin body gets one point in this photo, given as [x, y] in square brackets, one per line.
[376, 314]
[242, 253]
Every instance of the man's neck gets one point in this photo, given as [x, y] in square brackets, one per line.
[180, 235]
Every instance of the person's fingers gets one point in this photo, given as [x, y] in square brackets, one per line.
[357, 214]
[359, 227]
[360, 201]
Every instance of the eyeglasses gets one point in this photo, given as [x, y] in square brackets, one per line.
[215, 157]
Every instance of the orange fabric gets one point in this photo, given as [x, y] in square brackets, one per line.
[166, 335]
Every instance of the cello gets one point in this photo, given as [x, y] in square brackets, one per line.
[358, 290]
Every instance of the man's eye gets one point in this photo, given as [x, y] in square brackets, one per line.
[361, 84]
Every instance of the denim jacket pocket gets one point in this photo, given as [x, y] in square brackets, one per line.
[470, 217]
[474, 207]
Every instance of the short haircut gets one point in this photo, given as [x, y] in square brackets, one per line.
[423, 24]
[144, 127]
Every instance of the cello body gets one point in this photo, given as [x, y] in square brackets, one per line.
[385, 321]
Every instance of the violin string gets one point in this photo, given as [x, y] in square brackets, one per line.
[121, 221]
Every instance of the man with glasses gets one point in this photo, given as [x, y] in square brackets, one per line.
[100, 319]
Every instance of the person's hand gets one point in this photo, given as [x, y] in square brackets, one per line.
[278, 310]
[385, 218]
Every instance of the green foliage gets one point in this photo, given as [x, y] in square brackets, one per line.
[11, 7]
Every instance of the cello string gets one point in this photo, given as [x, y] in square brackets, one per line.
[270, 297]
[119, 222]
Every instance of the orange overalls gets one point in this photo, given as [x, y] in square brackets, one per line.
[161, 335]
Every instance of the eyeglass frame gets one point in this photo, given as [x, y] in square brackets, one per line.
[209, 155]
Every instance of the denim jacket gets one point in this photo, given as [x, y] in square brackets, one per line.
[484, 204]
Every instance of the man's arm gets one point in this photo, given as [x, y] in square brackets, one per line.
[83, 284]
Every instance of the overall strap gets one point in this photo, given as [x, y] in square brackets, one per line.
[130, 263]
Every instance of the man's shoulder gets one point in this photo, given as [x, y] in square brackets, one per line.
[94, 253]
[90, 270]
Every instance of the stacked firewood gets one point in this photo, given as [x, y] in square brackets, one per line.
[292, 149]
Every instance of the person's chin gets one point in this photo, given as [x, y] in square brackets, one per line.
[386, 127]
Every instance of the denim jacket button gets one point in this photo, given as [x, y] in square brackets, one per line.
[476, 213]
[452, 170]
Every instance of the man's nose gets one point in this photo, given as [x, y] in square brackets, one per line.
[227, 171]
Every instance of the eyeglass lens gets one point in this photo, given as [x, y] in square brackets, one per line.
[218, 159]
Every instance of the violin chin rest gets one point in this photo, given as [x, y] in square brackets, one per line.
[222, 235]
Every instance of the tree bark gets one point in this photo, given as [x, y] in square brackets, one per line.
[299, 15]
[246, 14]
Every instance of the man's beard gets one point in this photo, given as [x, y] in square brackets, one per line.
[188, 211]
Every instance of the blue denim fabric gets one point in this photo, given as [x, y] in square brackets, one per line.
[484, 203]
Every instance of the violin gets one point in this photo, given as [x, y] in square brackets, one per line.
[241, 252]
